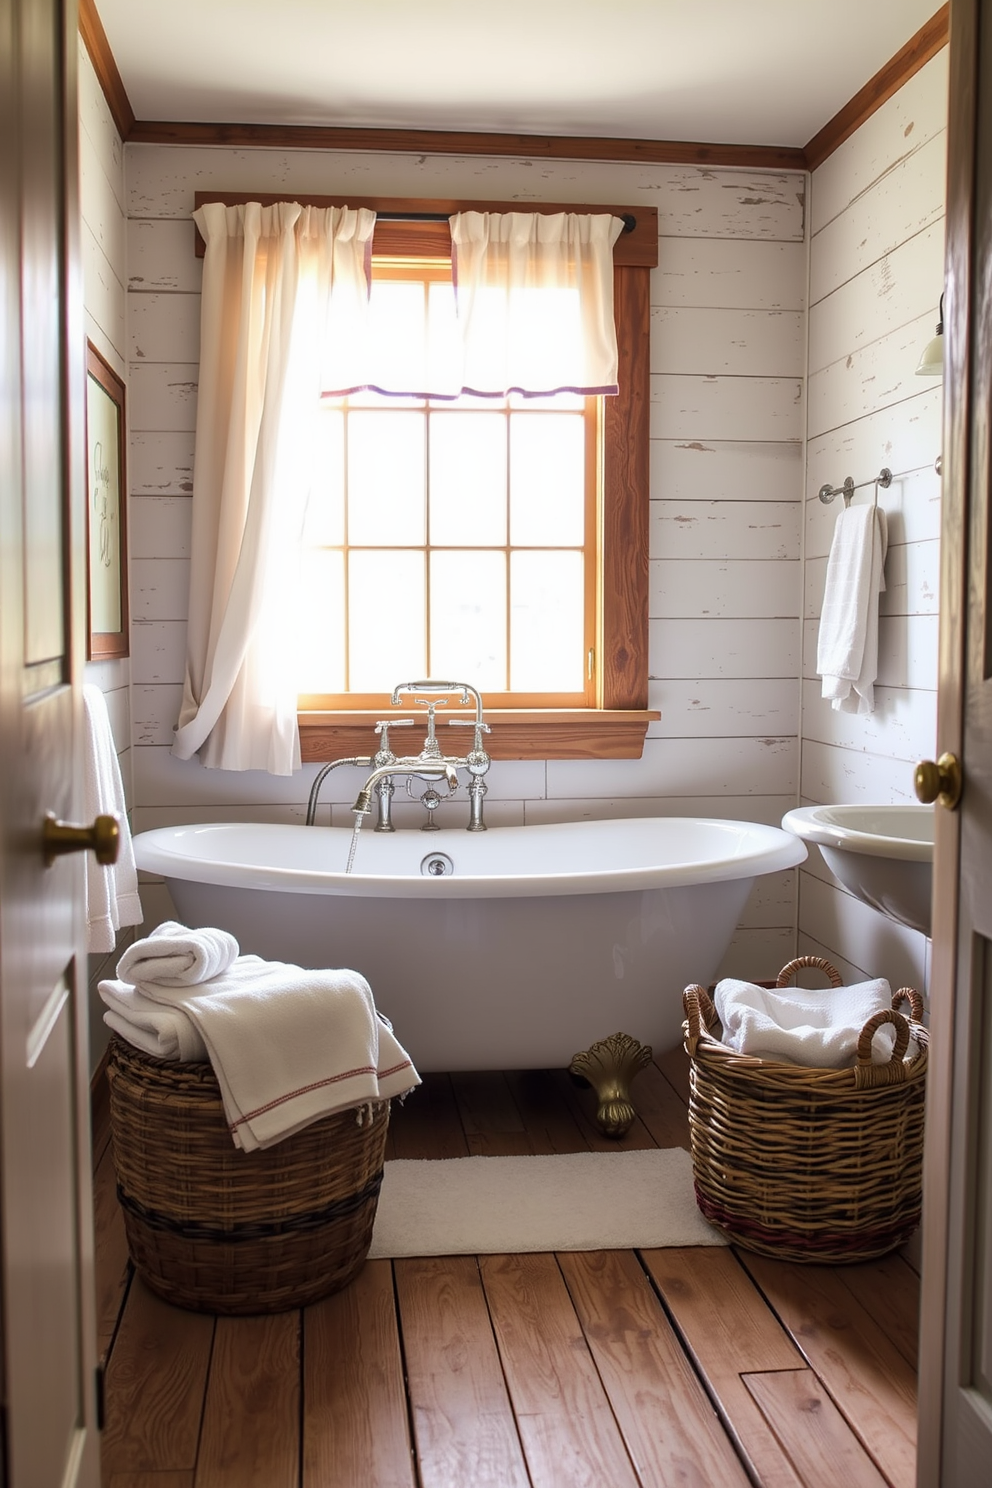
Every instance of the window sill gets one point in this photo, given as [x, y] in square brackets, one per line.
[529, 733]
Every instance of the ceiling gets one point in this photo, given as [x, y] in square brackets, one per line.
[765, 72]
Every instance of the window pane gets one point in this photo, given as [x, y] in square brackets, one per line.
[546, 643]
[385, 613]
[325, 508]
[321, 653]
[385, 478]
[468, 618]
[547, 479]
[468, 478]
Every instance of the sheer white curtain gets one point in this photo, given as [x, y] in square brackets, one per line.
[282, 285]
[535, 301]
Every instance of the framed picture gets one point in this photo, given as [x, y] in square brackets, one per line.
[106, 507]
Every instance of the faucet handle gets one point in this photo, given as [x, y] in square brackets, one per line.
[482, 728]
[384, 755]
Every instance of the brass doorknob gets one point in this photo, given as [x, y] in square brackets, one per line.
[941, 781]
[103, 837]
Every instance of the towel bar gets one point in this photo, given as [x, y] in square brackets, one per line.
[884, 478]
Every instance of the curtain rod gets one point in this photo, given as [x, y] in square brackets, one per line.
[628, 219]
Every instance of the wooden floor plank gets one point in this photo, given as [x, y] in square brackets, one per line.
[427, 1123]
[819, 1442]
[251, 1417]
[568, 1429]
[490, 1119]
[548, 1121]
[889, 1291]
[671, 1430]
[674, 1065]
[729, 1331]
[355, 1425]
[863, 1370]
[111, 1263]
[660, 1109]
[155, 1385]
[150, 1480]
[463, 1424]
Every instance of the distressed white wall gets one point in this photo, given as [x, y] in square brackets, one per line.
[103, 237]
[728, 356]
[876, 274]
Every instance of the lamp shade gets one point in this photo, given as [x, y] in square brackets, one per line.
[931, 363]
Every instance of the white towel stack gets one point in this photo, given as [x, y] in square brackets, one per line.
[288, 1045]
[819, 1027]
[847, 646]
[111, 891]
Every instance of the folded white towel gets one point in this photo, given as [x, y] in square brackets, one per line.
[174, 956]
[288, 1045]
[818, 1027]
[111, 891]
[847, 644]
[163, 1032]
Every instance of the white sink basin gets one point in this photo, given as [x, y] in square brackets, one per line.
[883, 854]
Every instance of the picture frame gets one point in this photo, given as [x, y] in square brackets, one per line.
[106, 510]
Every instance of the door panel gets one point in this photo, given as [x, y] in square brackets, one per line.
[955, 1441]
[45, 1201]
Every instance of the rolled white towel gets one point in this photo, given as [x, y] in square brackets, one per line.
[156, 1028]
[174, 956]
[818, 1027]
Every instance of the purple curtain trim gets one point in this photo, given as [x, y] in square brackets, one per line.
[371, 387]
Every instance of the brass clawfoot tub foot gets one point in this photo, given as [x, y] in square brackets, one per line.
[610, 1066]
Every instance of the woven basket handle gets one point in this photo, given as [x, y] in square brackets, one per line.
[791, 967]
[910, 995]
[895, 1070]
[699, 1011]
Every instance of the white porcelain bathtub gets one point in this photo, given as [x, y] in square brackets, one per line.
[540, 940]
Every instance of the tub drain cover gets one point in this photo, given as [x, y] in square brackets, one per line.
[437, 865]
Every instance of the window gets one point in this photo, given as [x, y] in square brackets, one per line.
[449, 538]
[602, 715]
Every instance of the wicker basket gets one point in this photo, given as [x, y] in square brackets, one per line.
[215, 1229]
[808, 1164]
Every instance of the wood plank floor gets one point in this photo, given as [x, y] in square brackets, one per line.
[702, 1368]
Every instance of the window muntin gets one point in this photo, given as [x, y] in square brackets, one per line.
[448, 538]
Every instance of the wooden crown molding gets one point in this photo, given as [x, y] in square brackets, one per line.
[96, 43]
[915, 54]
[445, 142]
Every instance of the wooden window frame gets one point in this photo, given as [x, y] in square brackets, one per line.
[616, 727]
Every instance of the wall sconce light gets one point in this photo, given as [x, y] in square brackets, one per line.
[931, 363]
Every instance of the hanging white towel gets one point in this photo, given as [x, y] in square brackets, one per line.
[177, 957]
[815, 1026]
[112, 898]
[288, 1045]
[847, 646]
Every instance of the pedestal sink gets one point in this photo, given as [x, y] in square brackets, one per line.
[882, 854]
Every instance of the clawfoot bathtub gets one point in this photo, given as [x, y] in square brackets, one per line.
[510, 949]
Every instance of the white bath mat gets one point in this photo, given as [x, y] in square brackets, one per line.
[568, 1201]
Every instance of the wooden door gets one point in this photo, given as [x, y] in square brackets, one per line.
[955, 1443]
[48, 1381]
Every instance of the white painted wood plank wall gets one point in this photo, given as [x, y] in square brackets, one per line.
[103, 238]
[727, 373]
[876, 274]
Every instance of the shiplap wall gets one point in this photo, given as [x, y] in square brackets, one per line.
[876, 274]
[728, 358]
[103, 237]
